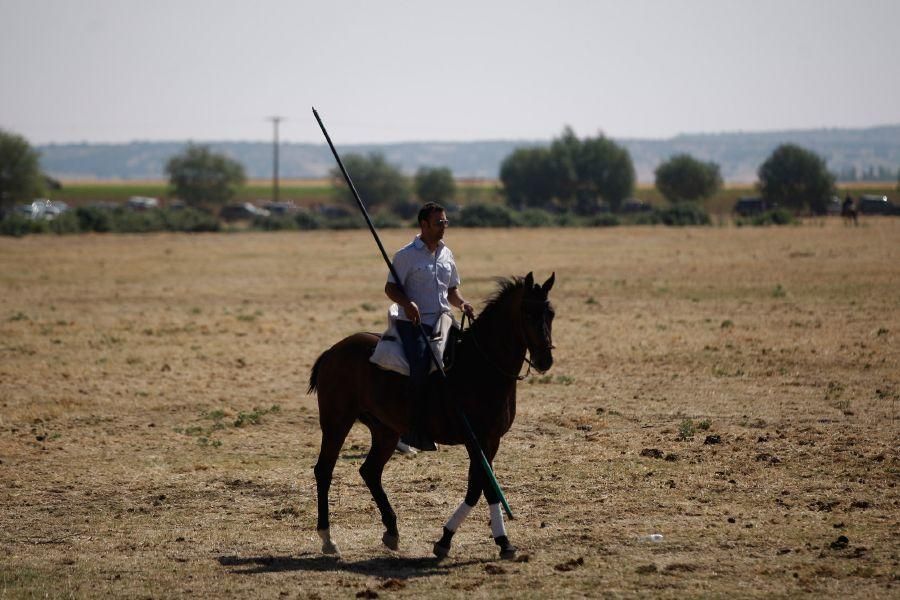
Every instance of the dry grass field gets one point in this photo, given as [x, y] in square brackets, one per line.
[733, 390]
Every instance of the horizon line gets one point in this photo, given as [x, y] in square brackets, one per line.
[482, 140]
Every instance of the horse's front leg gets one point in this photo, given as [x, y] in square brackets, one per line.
[478, 484]
[498, 527]
[473, 492]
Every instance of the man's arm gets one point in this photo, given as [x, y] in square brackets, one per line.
[455, 299]
[409, 307]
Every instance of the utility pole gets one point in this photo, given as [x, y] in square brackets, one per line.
[275, 121]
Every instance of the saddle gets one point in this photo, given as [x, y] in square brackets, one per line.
[388, 353]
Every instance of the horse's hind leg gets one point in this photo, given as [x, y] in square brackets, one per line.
[384, 441]
[333, 436]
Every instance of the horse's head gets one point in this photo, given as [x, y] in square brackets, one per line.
[537, 321]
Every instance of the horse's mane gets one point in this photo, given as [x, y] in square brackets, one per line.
[506, 287]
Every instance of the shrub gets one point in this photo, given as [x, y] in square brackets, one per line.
[387, 220]
[683, 213]
[487, 215]
[94, 219]
[190, 220]
[535, 217]
[307, 220]
[350, 222]
[275, 223]
[15, 225]
[646, 218]
[567, 219]
[137, 222]
[777, 216]
[67, 222]
[603, 220]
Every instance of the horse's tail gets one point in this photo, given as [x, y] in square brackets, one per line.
[314, 374]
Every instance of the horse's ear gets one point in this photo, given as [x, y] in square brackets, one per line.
[549, 283]
[529, 280]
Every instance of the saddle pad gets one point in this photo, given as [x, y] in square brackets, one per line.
[388, 353]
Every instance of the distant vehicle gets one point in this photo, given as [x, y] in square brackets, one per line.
[875, 205]
[633, 205]
[281, 209]
[42, 209]
[141, 203]
[242, 211]
[747, 206]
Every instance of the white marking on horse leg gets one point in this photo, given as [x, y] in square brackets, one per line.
[498, 528]
[328, 546]
[458, 517]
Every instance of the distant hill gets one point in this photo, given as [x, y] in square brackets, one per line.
[739, 154]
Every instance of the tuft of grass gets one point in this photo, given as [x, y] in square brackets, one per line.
[253, 417]
[779, 292]
[686, 430]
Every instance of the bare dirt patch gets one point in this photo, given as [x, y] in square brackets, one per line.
[156, 440]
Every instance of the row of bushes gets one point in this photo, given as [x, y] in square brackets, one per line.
[496, 215]
[87, 219]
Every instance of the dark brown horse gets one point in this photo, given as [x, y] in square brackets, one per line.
[482, 382]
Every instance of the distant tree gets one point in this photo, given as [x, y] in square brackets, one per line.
[21, 179]
[530, 178]
[683, 178]
[571, 174]
[606, 172]
[797, 178]
[380, 184]
[199, 176]
[435, 184]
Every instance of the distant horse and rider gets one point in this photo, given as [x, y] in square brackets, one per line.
[517, 320]
[849, 212]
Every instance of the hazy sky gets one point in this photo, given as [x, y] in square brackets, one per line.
[382, 71]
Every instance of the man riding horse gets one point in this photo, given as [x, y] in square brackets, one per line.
[429, 277]
[476, 403]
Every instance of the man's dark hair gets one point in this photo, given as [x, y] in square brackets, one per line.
[427, 209]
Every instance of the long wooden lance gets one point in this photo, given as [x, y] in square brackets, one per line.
[470, 433]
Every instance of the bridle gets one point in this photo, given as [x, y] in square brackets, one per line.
[490, 361]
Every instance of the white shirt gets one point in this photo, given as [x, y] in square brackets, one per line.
[426, 278]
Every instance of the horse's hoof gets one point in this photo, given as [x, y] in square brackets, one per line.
[508, 552]
[391, 541]
[440, 551]
[330, 548]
